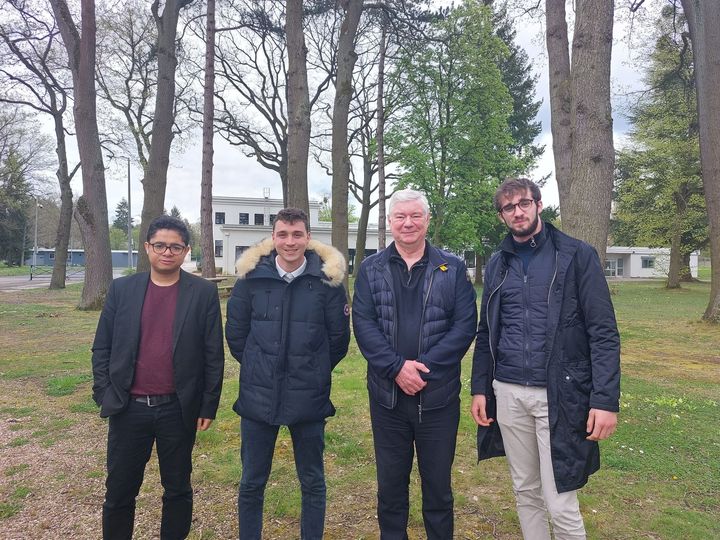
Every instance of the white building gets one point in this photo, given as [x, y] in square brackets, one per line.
[642, 262]
[241, 222]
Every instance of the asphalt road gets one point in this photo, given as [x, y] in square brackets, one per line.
[15, 283]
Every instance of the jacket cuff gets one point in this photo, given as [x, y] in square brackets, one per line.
[604, 406]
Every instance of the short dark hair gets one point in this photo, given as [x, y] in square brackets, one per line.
[512, 186]
[171, 223]
[291, 215]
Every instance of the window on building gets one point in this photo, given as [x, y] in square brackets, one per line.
[218, 248]
[272, 218]
[219, 218]
[609, 268]
[244, 218]
[620, 267]
[52, 255]
[259, 219]
[648, 262]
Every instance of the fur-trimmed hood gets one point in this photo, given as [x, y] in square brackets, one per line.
[333, 263]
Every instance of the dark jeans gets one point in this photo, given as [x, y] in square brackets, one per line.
[130, 440]
[397, 433]
[256, 453]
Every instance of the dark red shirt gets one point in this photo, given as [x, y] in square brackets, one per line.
[154, 367]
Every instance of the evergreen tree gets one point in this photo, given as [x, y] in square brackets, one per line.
[121, 215]
[15, 201]
[658, 183]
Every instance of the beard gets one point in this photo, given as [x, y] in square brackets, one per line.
[525, 230]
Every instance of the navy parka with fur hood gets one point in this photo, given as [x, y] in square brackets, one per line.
[582, 354]
[288, 337]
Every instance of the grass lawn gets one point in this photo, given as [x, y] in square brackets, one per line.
[660, 477]
[14, 270]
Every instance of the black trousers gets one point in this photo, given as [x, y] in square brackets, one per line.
[131, 436]
[397, 433]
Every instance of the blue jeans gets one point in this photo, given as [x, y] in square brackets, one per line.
[397, 433]
[256, 453]
[131, 435]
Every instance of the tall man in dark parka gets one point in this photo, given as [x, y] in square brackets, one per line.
[158, 369]
[414, 317]
[546, 368]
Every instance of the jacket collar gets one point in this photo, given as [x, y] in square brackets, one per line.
[323, 261]
[435, 256]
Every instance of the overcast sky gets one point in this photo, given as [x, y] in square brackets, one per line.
[236, 175]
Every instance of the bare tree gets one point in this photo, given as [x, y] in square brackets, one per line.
[298, 107]
[703, 18]
[92, 213]
[155, 180]
[346, 58]
[252, 80]
[581, 118]
[206, 221]
[34, 75]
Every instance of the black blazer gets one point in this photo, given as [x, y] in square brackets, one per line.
[198, 354]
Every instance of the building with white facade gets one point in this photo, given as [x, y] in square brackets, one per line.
[642, 262]
[241, 222]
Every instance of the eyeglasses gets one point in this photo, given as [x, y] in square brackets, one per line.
[162, 247]
[524, 204]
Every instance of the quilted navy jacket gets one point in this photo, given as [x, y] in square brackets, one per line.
[582, 354]
[288, 337]
[448, 326]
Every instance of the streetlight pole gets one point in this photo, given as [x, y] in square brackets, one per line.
[129, 220]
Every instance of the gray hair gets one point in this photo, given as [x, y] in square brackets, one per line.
[408, 195]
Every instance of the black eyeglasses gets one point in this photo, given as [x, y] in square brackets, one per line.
[524, 204]
[162, 247]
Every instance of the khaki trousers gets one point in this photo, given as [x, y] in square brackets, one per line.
[522, 414]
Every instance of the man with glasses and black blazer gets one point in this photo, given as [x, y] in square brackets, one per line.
[158, 368]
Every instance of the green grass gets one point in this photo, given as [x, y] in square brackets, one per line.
[660, 475]
[66, 384]
[6, 271]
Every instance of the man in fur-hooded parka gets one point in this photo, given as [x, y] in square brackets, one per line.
[287, 336]
[288, 326]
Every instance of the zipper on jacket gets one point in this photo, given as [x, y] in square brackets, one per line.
[552, 281]
[422, 318]
[487, 319]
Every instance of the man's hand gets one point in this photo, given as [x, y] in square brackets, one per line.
[600, 424]
[478, 410]
[203, 423]
[408, 378]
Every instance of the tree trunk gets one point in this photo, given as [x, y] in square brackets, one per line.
[479, 262]
[365, 206]
[704, 21]
[92, 213]
[382, 219]
[298, 108]
[673, 279]
[685, 272]
[346, 57]
[206, 217]
[62, 238]
[559, 78]
[155, 178]
[586, 192]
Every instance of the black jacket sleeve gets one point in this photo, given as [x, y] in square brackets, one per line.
[102, 347]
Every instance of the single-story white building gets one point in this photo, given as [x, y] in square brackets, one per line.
[642, 262]
[241, 222]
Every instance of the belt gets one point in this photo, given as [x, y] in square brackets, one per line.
[154, 401]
